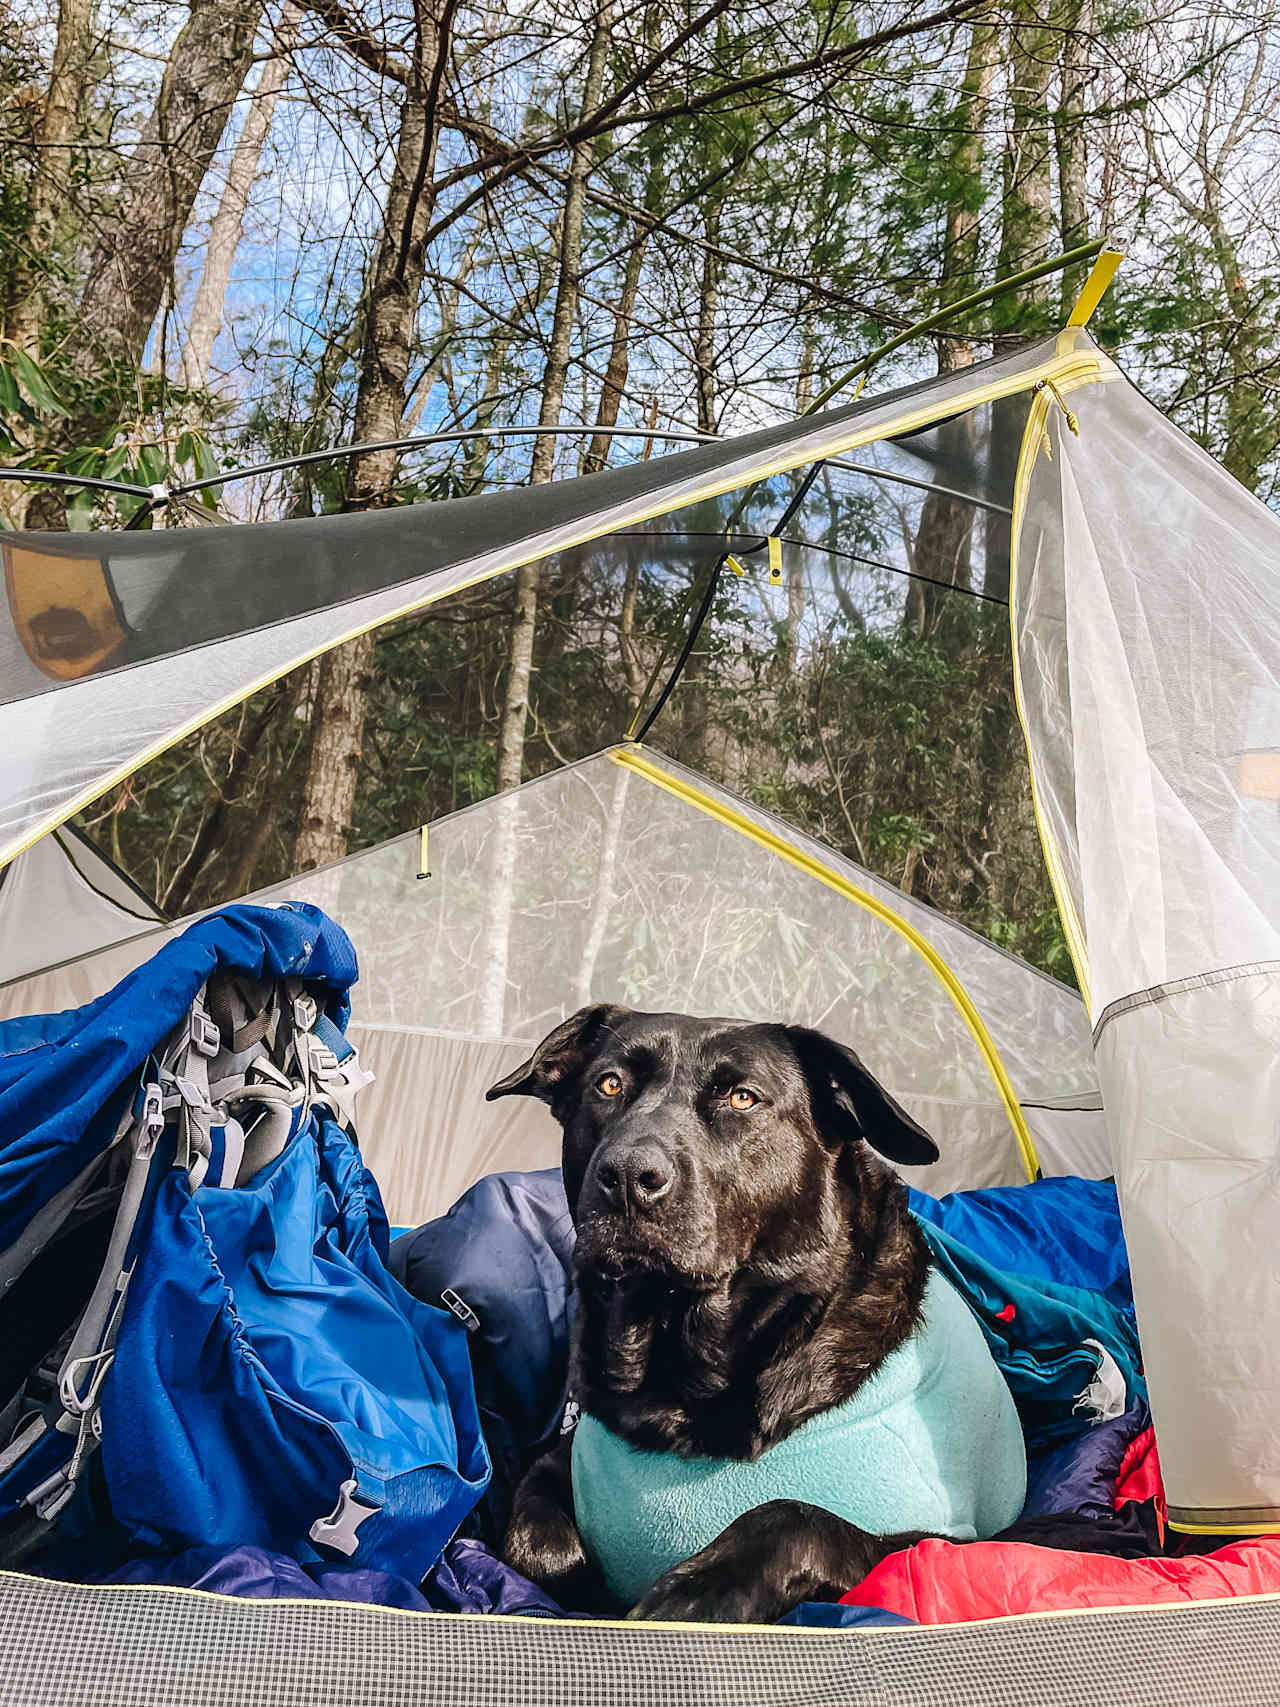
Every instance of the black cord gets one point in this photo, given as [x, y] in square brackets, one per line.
[708, 597]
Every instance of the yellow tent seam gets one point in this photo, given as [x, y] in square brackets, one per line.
[1077, 947]
[645, 767]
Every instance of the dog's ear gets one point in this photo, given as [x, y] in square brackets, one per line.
[849, 1103]
[560, 1057]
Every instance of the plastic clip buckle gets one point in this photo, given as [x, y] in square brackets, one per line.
[461, 1309]
[152, 1123]
[206, 1039]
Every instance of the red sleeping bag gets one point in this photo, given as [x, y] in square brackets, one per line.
[938, 1582]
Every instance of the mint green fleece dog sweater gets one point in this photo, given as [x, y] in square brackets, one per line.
[931, 1441]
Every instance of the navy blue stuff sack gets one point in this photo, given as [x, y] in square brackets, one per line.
[256, 1376]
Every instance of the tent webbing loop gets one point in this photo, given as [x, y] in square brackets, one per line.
[1095, 286]
[644, 766]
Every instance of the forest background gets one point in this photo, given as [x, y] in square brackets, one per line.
[233, 231]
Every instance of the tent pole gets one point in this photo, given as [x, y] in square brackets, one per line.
[1084, 252]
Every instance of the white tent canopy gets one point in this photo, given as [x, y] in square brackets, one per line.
[1145, 607]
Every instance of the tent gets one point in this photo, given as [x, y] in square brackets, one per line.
[1144, 594]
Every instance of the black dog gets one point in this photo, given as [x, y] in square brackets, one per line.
[743, 1263]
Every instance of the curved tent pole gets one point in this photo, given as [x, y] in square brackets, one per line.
[1106, 256]
[421, 439]
[51, 477]
[185, 488]
[1084, 252]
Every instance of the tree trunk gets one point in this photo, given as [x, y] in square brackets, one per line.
[1070, 143]
[49, 185]
[515, 706]
[603, 901]
[789, 642]
[132, 264]
[227, 227]
[704, 346]
[204, 845]
[944, 535]
[476, 465]
[1026, 236]
[450, 301]
[394, 286]
[615, 375]
[337, 736]
[631, 669]
[520, 661]
[1027, 219]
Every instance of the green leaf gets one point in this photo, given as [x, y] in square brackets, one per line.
[36, 386]
[153, 466]
[10, 400]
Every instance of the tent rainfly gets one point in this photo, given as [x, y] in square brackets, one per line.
[1144, 604]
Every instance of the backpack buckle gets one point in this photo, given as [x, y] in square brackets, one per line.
[206, 1039]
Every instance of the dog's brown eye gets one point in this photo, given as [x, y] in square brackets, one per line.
[741, 1099]
[609, 1085]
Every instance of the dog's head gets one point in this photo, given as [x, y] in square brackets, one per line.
[694, 1146]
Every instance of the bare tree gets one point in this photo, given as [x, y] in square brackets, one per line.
[390, 309]
[944, 535]
[131, 265]
[227, 227]
[519, 668]
[49, 185]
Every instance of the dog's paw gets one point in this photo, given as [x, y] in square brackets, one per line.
[699, 1592]
[766, 1561]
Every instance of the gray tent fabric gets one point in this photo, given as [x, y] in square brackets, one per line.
[112, 646]
[62, 899]
[157, 1647]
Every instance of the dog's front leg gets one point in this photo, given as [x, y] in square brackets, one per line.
[767, 1561]
[542, 1540]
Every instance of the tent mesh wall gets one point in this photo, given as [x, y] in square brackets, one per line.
[611, 880]
[157, 1647]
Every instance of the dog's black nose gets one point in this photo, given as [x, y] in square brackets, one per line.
[637, 1179]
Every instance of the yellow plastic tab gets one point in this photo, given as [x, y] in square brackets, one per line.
[424, 869]
[731, 562]
[1095, 286]
[775, 560]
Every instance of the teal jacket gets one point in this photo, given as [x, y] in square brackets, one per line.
[931, 1441]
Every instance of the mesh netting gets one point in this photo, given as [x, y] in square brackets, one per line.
[61, 1643]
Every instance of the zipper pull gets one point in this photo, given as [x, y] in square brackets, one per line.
[1049, 386]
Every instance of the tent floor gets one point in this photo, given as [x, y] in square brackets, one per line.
[158, 1647]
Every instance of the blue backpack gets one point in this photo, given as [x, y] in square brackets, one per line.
[193, 1289]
